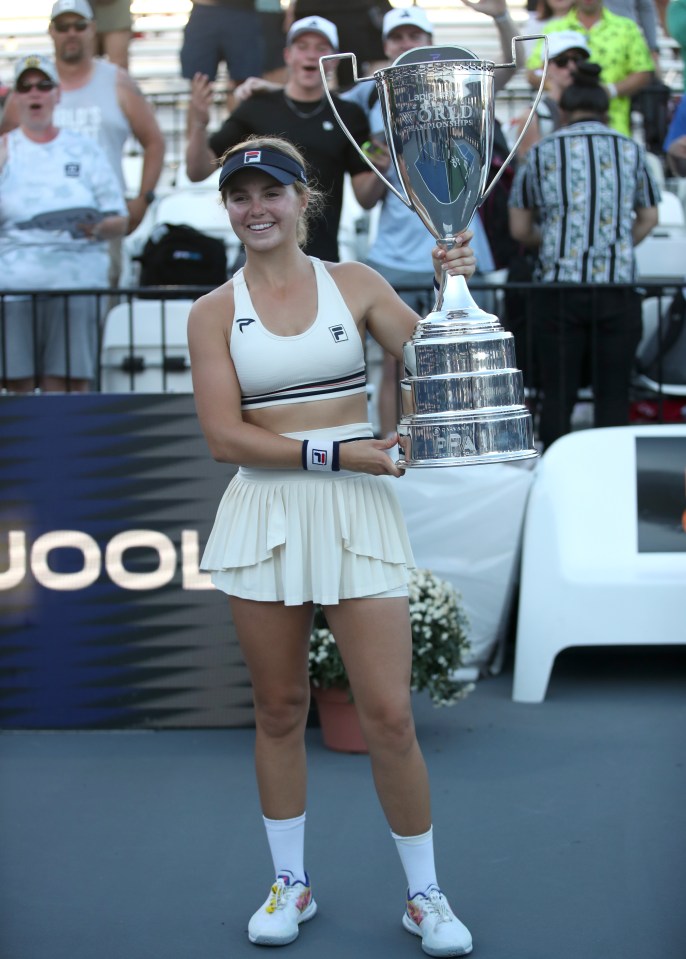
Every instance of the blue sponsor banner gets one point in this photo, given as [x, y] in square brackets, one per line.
[106, 503]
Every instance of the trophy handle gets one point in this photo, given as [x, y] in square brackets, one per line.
[500, 66]
[353, 58]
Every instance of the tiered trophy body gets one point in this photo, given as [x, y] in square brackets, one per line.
[462, 397]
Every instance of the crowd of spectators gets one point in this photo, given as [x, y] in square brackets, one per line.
[271, 53]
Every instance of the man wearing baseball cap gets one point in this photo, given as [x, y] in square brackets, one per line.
[314, 25]
[35, 61]
[406, 17]
[565, 50]
[60, 203]
[359, 30]
[100, 100]
[616, 44]
[112, 26]
[301, 113]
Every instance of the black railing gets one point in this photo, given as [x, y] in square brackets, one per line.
[141, 338]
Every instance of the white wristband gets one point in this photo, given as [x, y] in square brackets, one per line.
[321, 455]
[611, 90]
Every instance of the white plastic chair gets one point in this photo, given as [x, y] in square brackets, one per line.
[201, 209]
[584, 581]
[655, 166]
[132, 165]
[182, 182]
[145, 349]
[670, 211]
[651, 308]
[662, 255]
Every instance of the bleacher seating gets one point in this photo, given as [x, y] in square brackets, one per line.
[158, 26]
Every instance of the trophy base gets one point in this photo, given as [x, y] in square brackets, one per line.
[466, 439]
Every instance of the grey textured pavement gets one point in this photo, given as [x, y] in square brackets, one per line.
[560, 830]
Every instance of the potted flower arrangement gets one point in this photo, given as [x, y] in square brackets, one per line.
[439, 641]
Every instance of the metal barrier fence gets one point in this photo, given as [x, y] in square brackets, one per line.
[140, 339]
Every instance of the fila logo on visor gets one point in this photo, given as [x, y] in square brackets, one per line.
[252, 156]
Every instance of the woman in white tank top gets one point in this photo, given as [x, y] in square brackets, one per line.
[278, 373]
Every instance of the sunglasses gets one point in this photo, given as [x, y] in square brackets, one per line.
[78, 25]
[566, 59]
[45, 86]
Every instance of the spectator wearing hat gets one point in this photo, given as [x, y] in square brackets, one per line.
[565, 50]
[223, 31]
[101, 101]
[301, 113]
[60, 203]
[617, 45]
[359, 29]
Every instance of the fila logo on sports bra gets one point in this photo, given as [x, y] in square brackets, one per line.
[338, 333]
[246, 321]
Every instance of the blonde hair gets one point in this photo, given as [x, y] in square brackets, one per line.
[315, 197]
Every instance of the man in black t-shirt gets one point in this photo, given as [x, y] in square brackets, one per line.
[301, 113]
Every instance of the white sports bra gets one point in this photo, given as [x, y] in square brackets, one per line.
[324, 362]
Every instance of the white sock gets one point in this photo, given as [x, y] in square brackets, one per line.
[417, 856]
[286, 839]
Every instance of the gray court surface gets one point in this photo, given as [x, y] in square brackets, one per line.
[560, 830]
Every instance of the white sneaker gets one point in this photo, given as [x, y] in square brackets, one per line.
[288, 904]
[429, 916]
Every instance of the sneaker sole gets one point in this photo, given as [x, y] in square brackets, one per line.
[445, 951]
[280, 940]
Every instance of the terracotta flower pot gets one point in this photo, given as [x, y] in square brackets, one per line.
[338, 720]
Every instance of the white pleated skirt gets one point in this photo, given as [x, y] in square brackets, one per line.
[295, 537]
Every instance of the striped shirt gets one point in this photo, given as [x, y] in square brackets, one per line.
[585, 181]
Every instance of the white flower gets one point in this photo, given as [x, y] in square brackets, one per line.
[438, 636]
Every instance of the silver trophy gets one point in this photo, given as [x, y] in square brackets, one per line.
[462, 398]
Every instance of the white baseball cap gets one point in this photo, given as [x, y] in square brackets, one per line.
[565, 40]
[36, 61]
[313, 25]
[81, 8]
[403, 16]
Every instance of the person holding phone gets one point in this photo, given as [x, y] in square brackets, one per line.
[60, 202]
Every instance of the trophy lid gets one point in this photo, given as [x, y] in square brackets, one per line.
[434, 54]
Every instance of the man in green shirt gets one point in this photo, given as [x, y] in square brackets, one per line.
[617, 46]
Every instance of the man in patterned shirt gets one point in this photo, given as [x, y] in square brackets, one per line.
[617, 45]
[585, 197]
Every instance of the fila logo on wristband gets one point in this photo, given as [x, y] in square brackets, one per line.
[322, 457]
